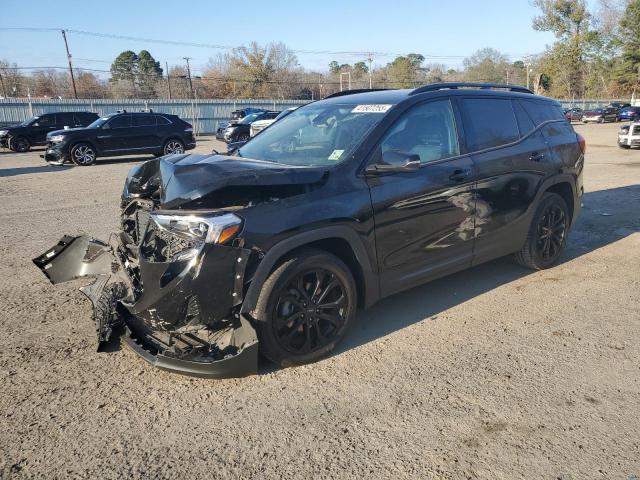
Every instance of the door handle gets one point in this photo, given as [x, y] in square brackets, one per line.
[460, 174]
[536, 157]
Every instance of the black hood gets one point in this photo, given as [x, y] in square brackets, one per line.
[179, 181]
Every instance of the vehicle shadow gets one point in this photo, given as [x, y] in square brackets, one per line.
[115, 160]
[12, 172]
[607, 216]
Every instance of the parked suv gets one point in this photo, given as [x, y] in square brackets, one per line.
[342, 202]
[236, 116]
[629, 135]
[240, 132]
[21, 137]
[120, 133]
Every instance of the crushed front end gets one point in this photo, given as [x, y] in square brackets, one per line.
[173, 281]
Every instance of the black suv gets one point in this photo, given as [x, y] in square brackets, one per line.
[241, 131]
[121, 133]
[343, 202]
[21, 137]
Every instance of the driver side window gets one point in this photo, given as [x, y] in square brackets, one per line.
[427, 130]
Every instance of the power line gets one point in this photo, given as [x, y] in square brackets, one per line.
[363, 53]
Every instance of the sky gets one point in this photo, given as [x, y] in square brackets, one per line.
[445, 32]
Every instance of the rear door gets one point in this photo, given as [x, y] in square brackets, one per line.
[511, 159]
[144, 134]
[424, 218]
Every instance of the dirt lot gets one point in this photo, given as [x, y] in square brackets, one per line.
[492, 373]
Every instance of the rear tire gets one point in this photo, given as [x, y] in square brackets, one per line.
[173, 146]
[20, 144]
[547, 235]
[305, 308]
[83, 154]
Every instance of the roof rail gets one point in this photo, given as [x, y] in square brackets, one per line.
[146, 110]
[121, 111]
[482, 86]
[352, 92]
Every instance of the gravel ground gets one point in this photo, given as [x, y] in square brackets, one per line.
[495, 373]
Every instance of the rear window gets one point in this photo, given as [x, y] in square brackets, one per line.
[489, 122]
[541, 112]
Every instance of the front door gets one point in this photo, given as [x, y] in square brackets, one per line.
[423, 218]
[43, 125]
[115, 136]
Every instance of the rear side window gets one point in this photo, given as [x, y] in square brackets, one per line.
[144, 120]
[162, 120]
[64, 119]
[541, 112]
[489, 122]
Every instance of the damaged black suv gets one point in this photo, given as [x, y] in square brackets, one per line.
[343, 202]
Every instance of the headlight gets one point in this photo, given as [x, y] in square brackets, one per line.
[207, 229]
[177, 238]
[57, 138]
[3, 132]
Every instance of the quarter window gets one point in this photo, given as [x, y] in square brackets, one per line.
[162, 120]
[524, 121]
[427, 130]
[489, 122]
[541, 112]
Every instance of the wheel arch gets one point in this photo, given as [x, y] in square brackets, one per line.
[565, 190]
[340, 241]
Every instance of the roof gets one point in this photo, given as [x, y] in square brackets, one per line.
[396, 96]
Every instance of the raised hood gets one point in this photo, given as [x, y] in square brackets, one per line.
[186, 181]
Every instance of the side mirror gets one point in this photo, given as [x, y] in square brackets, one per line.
[395, 161]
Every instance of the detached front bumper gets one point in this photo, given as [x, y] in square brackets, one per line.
[183, 319]
[55, 154]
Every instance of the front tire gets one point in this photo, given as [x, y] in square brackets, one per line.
[173, 146]
[305, 308]
[547, 235]
[20, 144]
[83, 154]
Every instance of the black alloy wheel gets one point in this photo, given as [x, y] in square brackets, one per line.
[310, 312]
[547, 235]
[551, 233]
[20, 144]
[305, 307]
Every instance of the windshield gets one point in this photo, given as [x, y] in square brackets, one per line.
[315, 135]
[249, 118]
[98, 123]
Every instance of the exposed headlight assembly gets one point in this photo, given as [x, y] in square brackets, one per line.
[179, 238]
[57, 138]
[208, 229]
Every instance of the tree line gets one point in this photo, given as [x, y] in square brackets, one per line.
[595, 54]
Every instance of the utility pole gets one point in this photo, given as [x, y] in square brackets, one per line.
[370, 60]
[73, 80]
[189, 75]
[527, 65]
[4, 92]
[166, 64]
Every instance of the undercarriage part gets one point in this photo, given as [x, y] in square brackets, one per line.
[106, 310]
[232, 352]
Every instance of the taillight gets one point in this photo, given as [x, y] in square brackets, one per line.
[582, 142]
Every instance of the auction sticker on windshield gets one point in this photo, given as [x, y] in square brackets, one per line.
[336, 154]
[374, 108]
